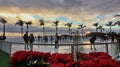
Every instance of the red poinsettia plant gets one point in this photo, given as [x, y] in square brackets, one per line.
[29, 58]
[93, 59]
[59, 59]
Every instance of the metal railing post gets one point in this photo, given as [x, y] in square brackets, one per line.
[107, 48]
[10, 48]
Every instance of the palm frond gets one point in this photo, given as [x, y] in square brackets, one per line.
[117, 15]
[68, 24]
[81, 26]
[41, 20]
[56, 23]
[107, 24]
[19, 22]
[117, 23]
[2, 20]
[29, 22]
[95, 24]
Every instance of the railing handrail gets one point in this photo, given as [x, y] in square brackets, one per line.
[61, 44]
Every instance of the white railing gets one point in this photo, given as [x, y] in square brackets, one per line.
[110, 48]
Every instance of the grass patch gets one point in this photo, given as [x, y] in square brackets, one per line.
[4, 59]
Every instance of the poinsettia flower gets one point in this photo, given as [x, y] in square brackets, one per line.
[89, 57]
[88, 63]
[18, 56]
[22, 56]
[104, 57]
[59, 57]
[58, 64]
[81, 56]
[71, 64]
[108, 63]
[46, 54]
[35, 54]
[96, 54]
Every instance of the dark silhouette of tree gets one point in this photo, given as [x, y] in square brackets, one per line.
[42, 23]
[20, 23]
[56, 25]
[27, 24]
[56, 34]
[100, 28]
[117, 15]
[81, 27]
[96, 25]
[117, 23]
[110, 25]
[69, 26]
[3, 21]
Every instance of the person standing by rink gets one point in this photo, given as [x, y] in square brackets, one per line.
[112, 38]
[31, 40]
[26, 38]
[92, 42]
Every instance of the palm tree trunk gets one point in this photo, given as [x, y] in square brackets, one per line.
[69, 30]
[43, 31]
[56, 32]
[27, 27]
[110, 29]
[4, 29]
[21, 30]
[56, 29]
[56, 39]
[82, 31]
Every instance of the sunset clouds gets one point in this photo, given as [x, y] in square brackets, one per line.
[76, 11]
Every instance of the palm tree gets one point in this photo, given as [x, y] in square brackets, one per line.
[100, 28]
[56, 25]
[20, 23]
[81, 27]
[96, 25]
[56, 34]
[69, 26]
[28, 23]
[117, 23]
[110, 25]
[3, 21]
[42, 23]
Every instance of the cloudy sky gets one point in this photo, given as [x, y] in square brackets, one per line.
[66, 11]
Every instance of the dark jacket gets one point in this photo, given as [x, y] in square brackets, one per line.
[25, 37]
[31, 38]
[92, 39]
